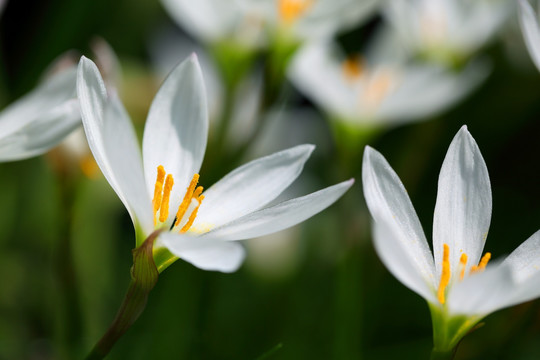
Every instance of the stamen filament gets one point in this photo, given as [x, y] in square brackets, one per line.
[445, 273]
[158, 189]
[187, 199]
[164, 210]
[463, 265]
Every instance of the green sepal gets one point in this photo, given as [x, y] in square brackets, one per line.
[449, 330]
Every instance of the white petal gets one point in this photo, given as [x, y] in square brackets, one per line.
[426, 90]
[326, 17]
[482, 293]
[525, 259]
[525, 265]
[40, 119]
[463, 208]
[252, 186]
[206, 254]
[531, 30]
[112, 139]
[176, 129]
[45, 132]
[281, 216]
[399, 237]
[52, 93]
[208, 20]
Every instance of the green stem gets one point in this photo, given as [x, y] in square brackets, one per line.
[144, 275]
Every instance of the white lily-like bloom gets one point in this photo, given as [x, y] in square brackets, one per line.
[456, 282]
[382, 87]
[447, 30]
[528, 19]
[160, 190]
[249, 22]
[41, 119]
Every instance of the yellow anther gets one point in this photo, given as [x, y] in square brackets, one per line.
[187, 199]
[353, 67]
[197, 193]
[462, 265]
[164, 209]
[482, 264]
[445, 273]
[291, 10]
[192, 216]
[484, 261]
[158, 190]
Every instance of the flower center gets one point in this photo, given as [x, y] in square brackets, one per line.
[290, 10]
[353, 67]
[187, 211]
[445, 273]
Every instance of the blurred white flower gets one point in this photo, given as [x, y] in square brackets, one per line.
[167, 46]
[41, 119]
[250, 22]
[380, 88]
[174, 142]
[528, 19]
[459, 287]
[447, 30]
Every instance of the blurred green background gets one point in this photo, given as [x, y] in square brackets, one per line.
[321, 291]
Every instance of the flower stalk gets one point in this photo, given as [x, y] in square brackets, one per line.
[144, 275]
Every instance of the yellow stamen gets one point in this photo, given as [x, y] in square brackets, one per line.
[290, 10]
[164, 210]
[482, 264]
[445, 274]
[187, 199]
[463, 265]
[353, 67]
[158, 189]
[192, 216]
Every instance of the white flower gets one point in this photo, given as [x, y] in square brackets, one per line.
[381, 88]
[160, 190]
[249, 22]
[447, 30]
[41, 119]
[459, 287]
[528, 20]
